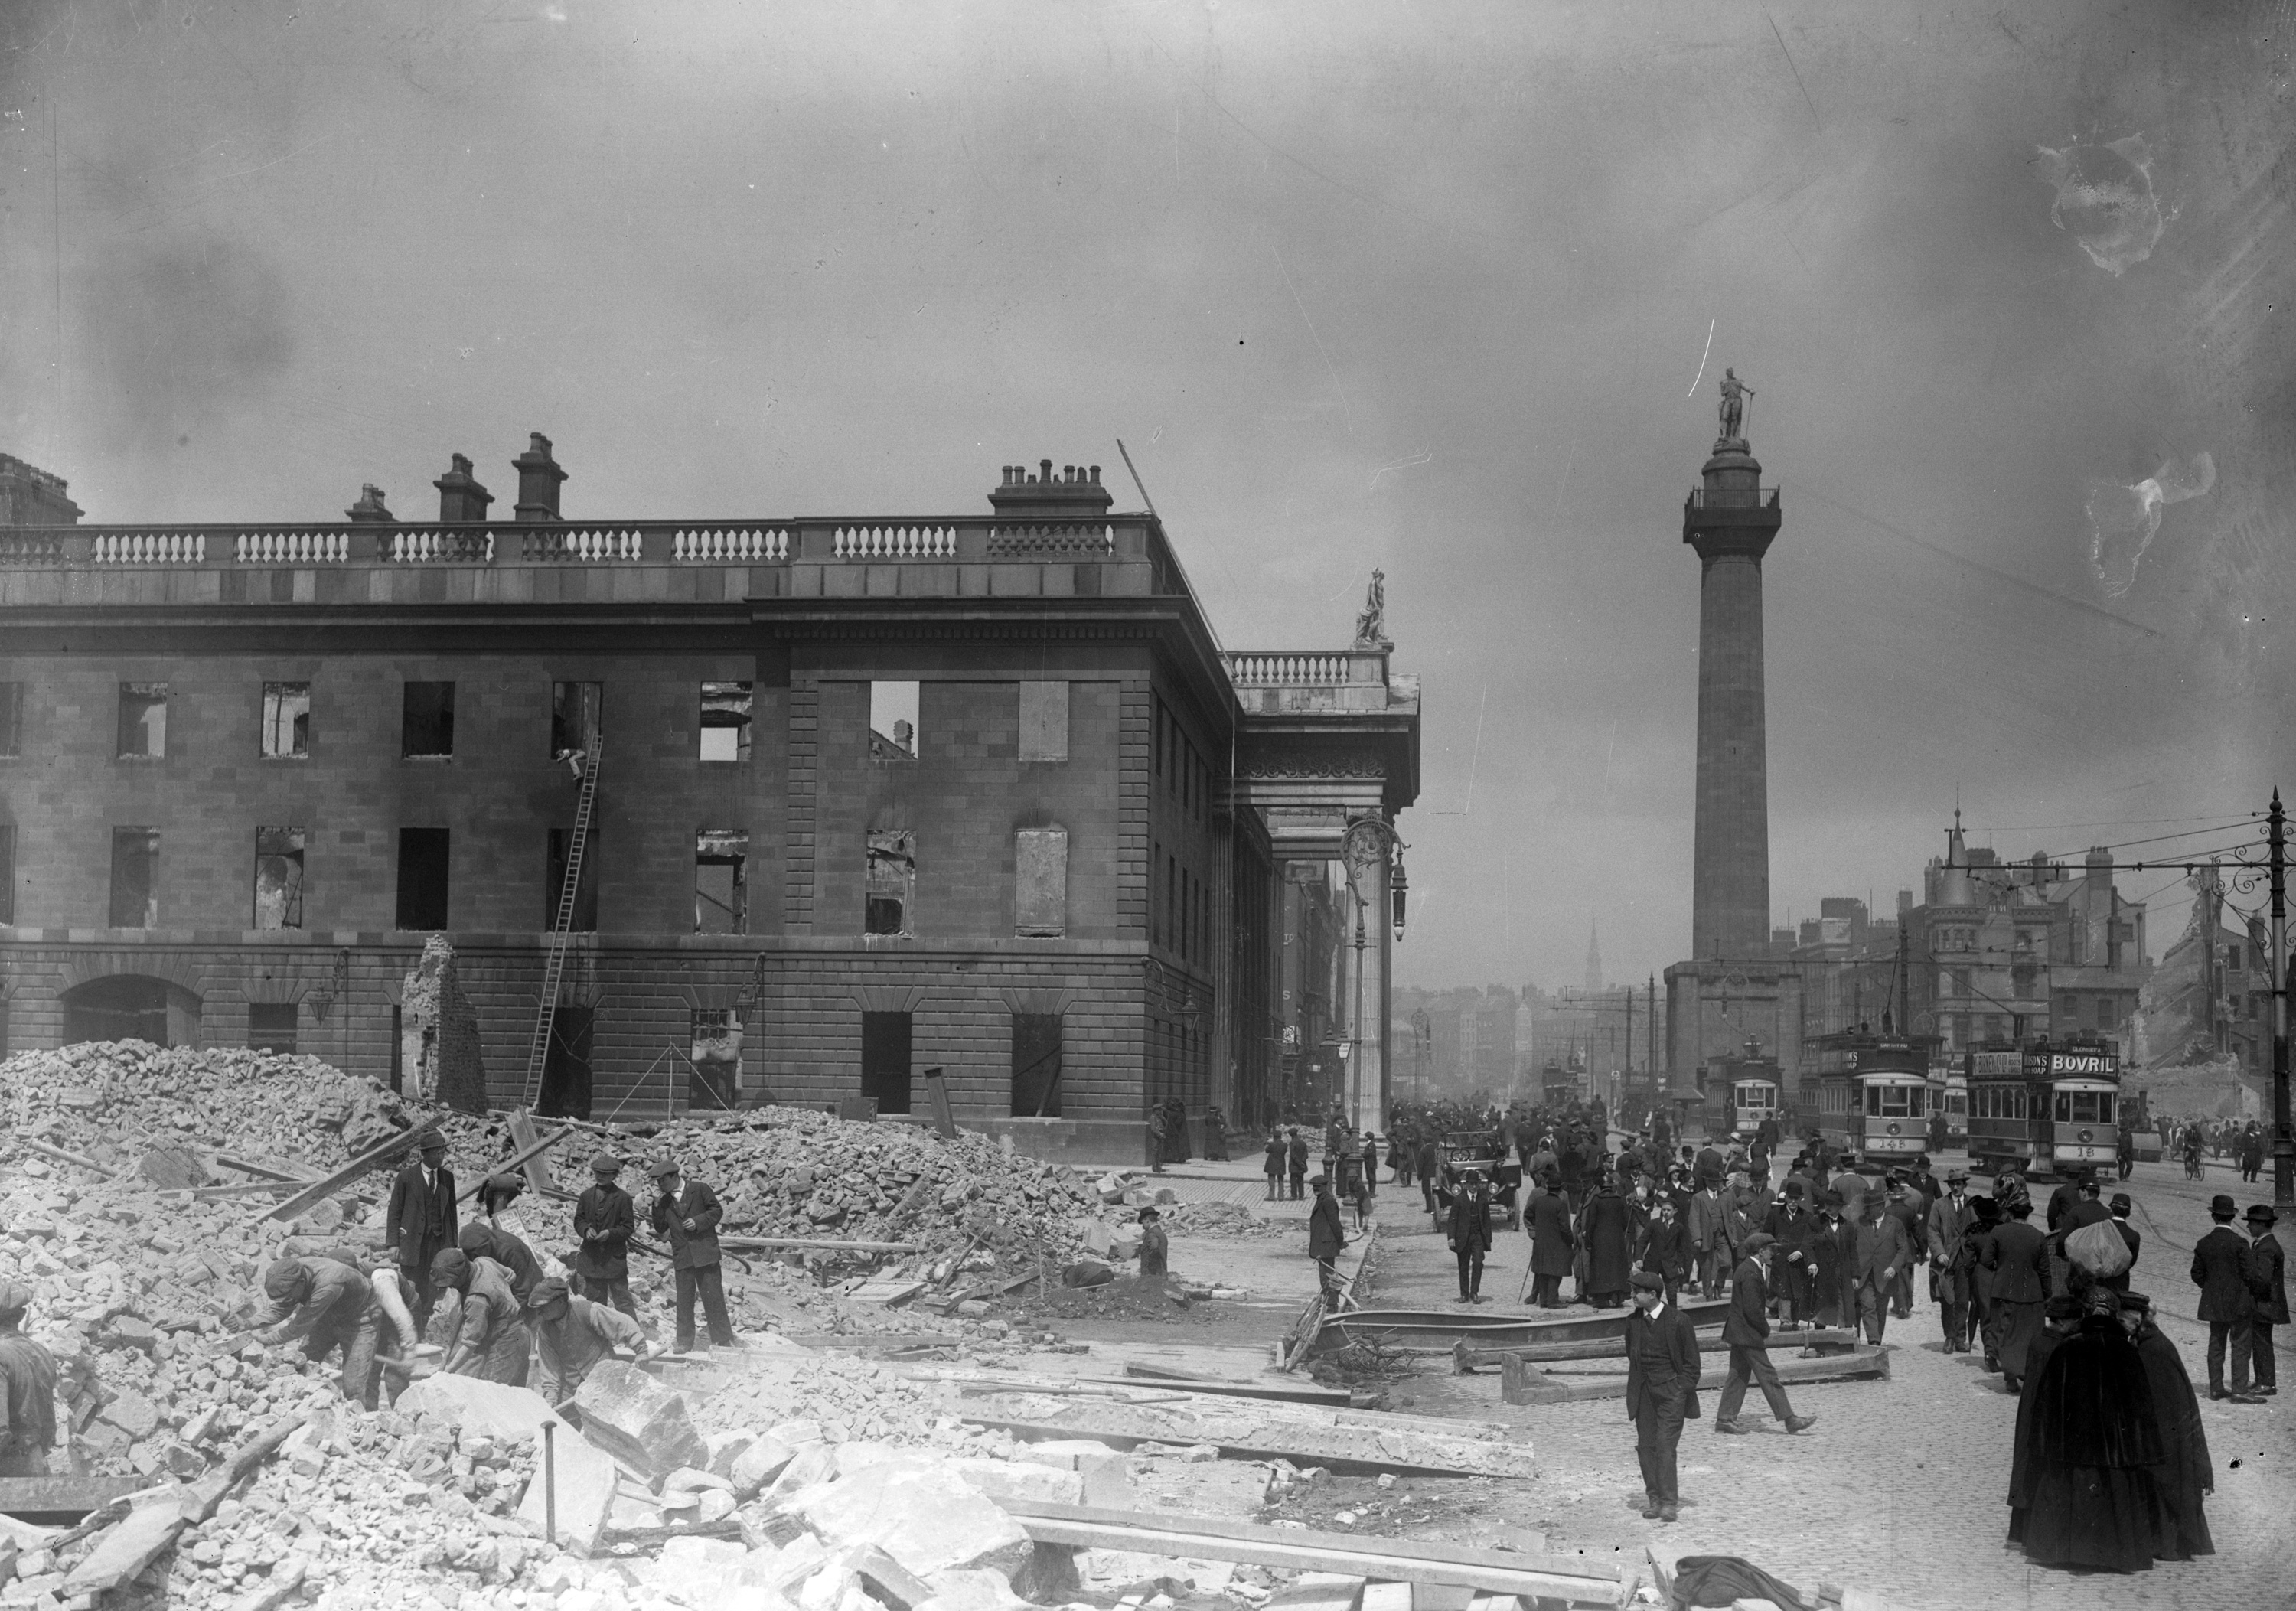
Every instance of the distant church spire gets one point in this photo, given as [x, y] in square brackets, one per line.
[1594, 959]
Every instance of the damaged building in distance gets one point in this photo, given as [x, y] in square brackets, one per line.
[848, 798]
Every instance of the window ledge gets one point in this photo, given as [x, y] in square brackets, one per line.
[431, 758]
[299, 759]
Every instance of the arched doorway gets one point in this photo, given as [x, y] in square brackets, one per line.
[131, 1007]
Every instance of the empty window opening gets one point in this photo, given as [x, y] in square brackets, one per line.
[1036, 1065]
[286, 720]
[143, 719]
[278, 878]
[885, 1061]
[566, 1066]
[716, 1057]
[575, 708]
[271, 1027]
[726, 721]
[721, 881]
[422, 857]
[583, 917]
[1040, 882]
[892, 882]
[426, 720]
[893, 721]
[135, 878]
[11, 718]
[1044, 721]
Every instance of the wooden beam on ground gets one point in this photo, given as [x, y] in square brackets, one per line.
[517, 1160]
[1282, 1392]
[61, 1156]
[327, 1186]
[1269, 1443]
[1533, 1386]
[1378, 1560]
[813, 1244]
[1465, 1358]
[73, 1496]
[521, 1131]
[267, 1169]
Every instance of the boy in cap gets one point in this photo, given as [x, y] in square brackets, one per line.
[1155, 1245]
[571, 1335]
[605, 1218]
[1662, 1390]
[2269, 1280]
[28, 1390]
[1745, 1332]
[687, 1212]
[2223, 1268]
[491, 1342]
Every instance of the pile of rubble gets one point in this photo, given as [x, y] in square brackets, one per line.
[1223, 1220]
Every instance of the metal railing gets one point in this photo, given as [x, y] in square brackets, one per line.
[1733, 497]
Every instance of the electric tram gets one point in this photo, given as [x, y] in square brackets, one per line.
[1949, 1098]
[1743, 1091]
[1873, 1093]
[2050, 1110]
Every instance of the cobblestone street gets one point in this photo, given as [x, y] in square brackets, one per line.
[1898, 1488]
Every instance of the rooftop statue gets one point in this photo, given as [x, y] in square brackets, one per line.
[1371, 624]
[1735, 393]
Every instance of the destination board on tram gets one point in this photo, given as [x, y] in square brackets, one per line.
[1997, 1065]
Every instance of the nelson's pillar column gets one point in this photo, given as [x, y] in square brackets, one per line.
[1730, 520]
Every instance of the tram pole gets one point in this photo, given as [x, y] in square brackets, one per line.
[2284, 1145]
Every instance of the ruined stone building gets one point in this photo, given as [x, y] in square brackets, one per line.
[977, 793]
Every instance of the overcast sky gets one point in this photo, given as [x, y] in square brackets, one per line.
[1426, 287]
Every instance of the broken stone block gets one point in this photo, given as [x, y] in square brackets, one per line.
[687, 1479]
[1097, 1236]
[634, 1417]
[1022, 1481]
[885, 1580]
[795, 1434]
[132, 1414]
[716, 1506]
[476, 1408]
[929, 1519]
[726, 1448]
[758, 1464]
[584, 1479]
[813, 1463]
[126, 1331]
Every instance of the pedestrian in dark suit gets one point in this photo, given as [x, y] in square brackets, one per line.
[605, 1217]
[1468, 1228]
[1327, 1237]
[2017, 1257]
[1552, 1243]
[686, 1211]
[1745, 1332]
[1948, 1221]
[2120, 1207]
[421, 1222]
[1275, 1169]
[1662, 1390]
[1881, 1253]
[2222, 1269]
[2269, 1280]
[1833, 1246]
[1295, 1153]
[1428, 1167]
[1606, 1228]
[1794, 1273]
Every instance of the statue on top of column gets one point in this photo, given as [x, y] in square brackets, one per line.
[1371, 622]
[1735, 393]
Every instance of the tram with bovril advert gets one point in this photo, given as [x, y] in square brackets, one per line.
[1874, 1093]
[2052, 1110]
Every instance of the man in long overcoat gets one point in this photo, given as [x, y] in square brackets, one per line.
[1469, 1229]
[2269, 1280]
[1607, 1230]
[1327, 1237]
[1552, 1243]
[1745, 1333]
[421, 1221]
[1949, 1220]
[1704, 1238]
[2222, 1269]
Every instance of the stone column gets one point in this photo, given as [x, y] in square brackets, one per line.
[1366, 1006]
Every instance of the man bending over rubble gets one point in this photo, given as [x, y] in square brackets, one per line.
[492, 1343]
[479, 1241]
[326, 1304]
[571, 1335]
[28, 1390]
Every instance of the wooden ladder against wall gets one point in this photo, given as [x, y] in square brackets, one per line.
[554, 968]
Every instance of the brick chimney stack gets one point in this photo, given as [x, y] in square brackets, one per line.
[462, 501]
[369, 510]
[31, 496]
[538, 478]
[1075, 493]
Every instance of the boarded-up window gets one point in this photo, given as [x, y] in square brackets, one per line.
[575, 709]
[426, 723]
[278, 878]
[135, 878]
[1044, 721]
[1036, 1065]
[892, 882]
[271, 1026]
[143, 719]
[721, 881]
[1040, 880]
[726, 721]
[286, 720]
[422, 864]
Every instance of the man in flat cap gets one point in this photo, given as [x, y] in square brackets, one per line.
[326, 1303]
[1946, 1236]
[2269, 1280]
[28, 1390]
[571, 1335]
[1327, 1238]
[1745, 1332]
[1662, 1390]
[687, 1212]
[480, 1240]
[2223, 1268]
[605, 1218]
[421, 1221]
[492, 1341]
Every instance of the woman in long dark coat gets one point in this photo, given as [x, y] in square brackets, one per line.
[1971, 1260]
[1552, 1242]
[2186, 1478]
[1607, 1230]
[2095, 1441]
[2060, 1319]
